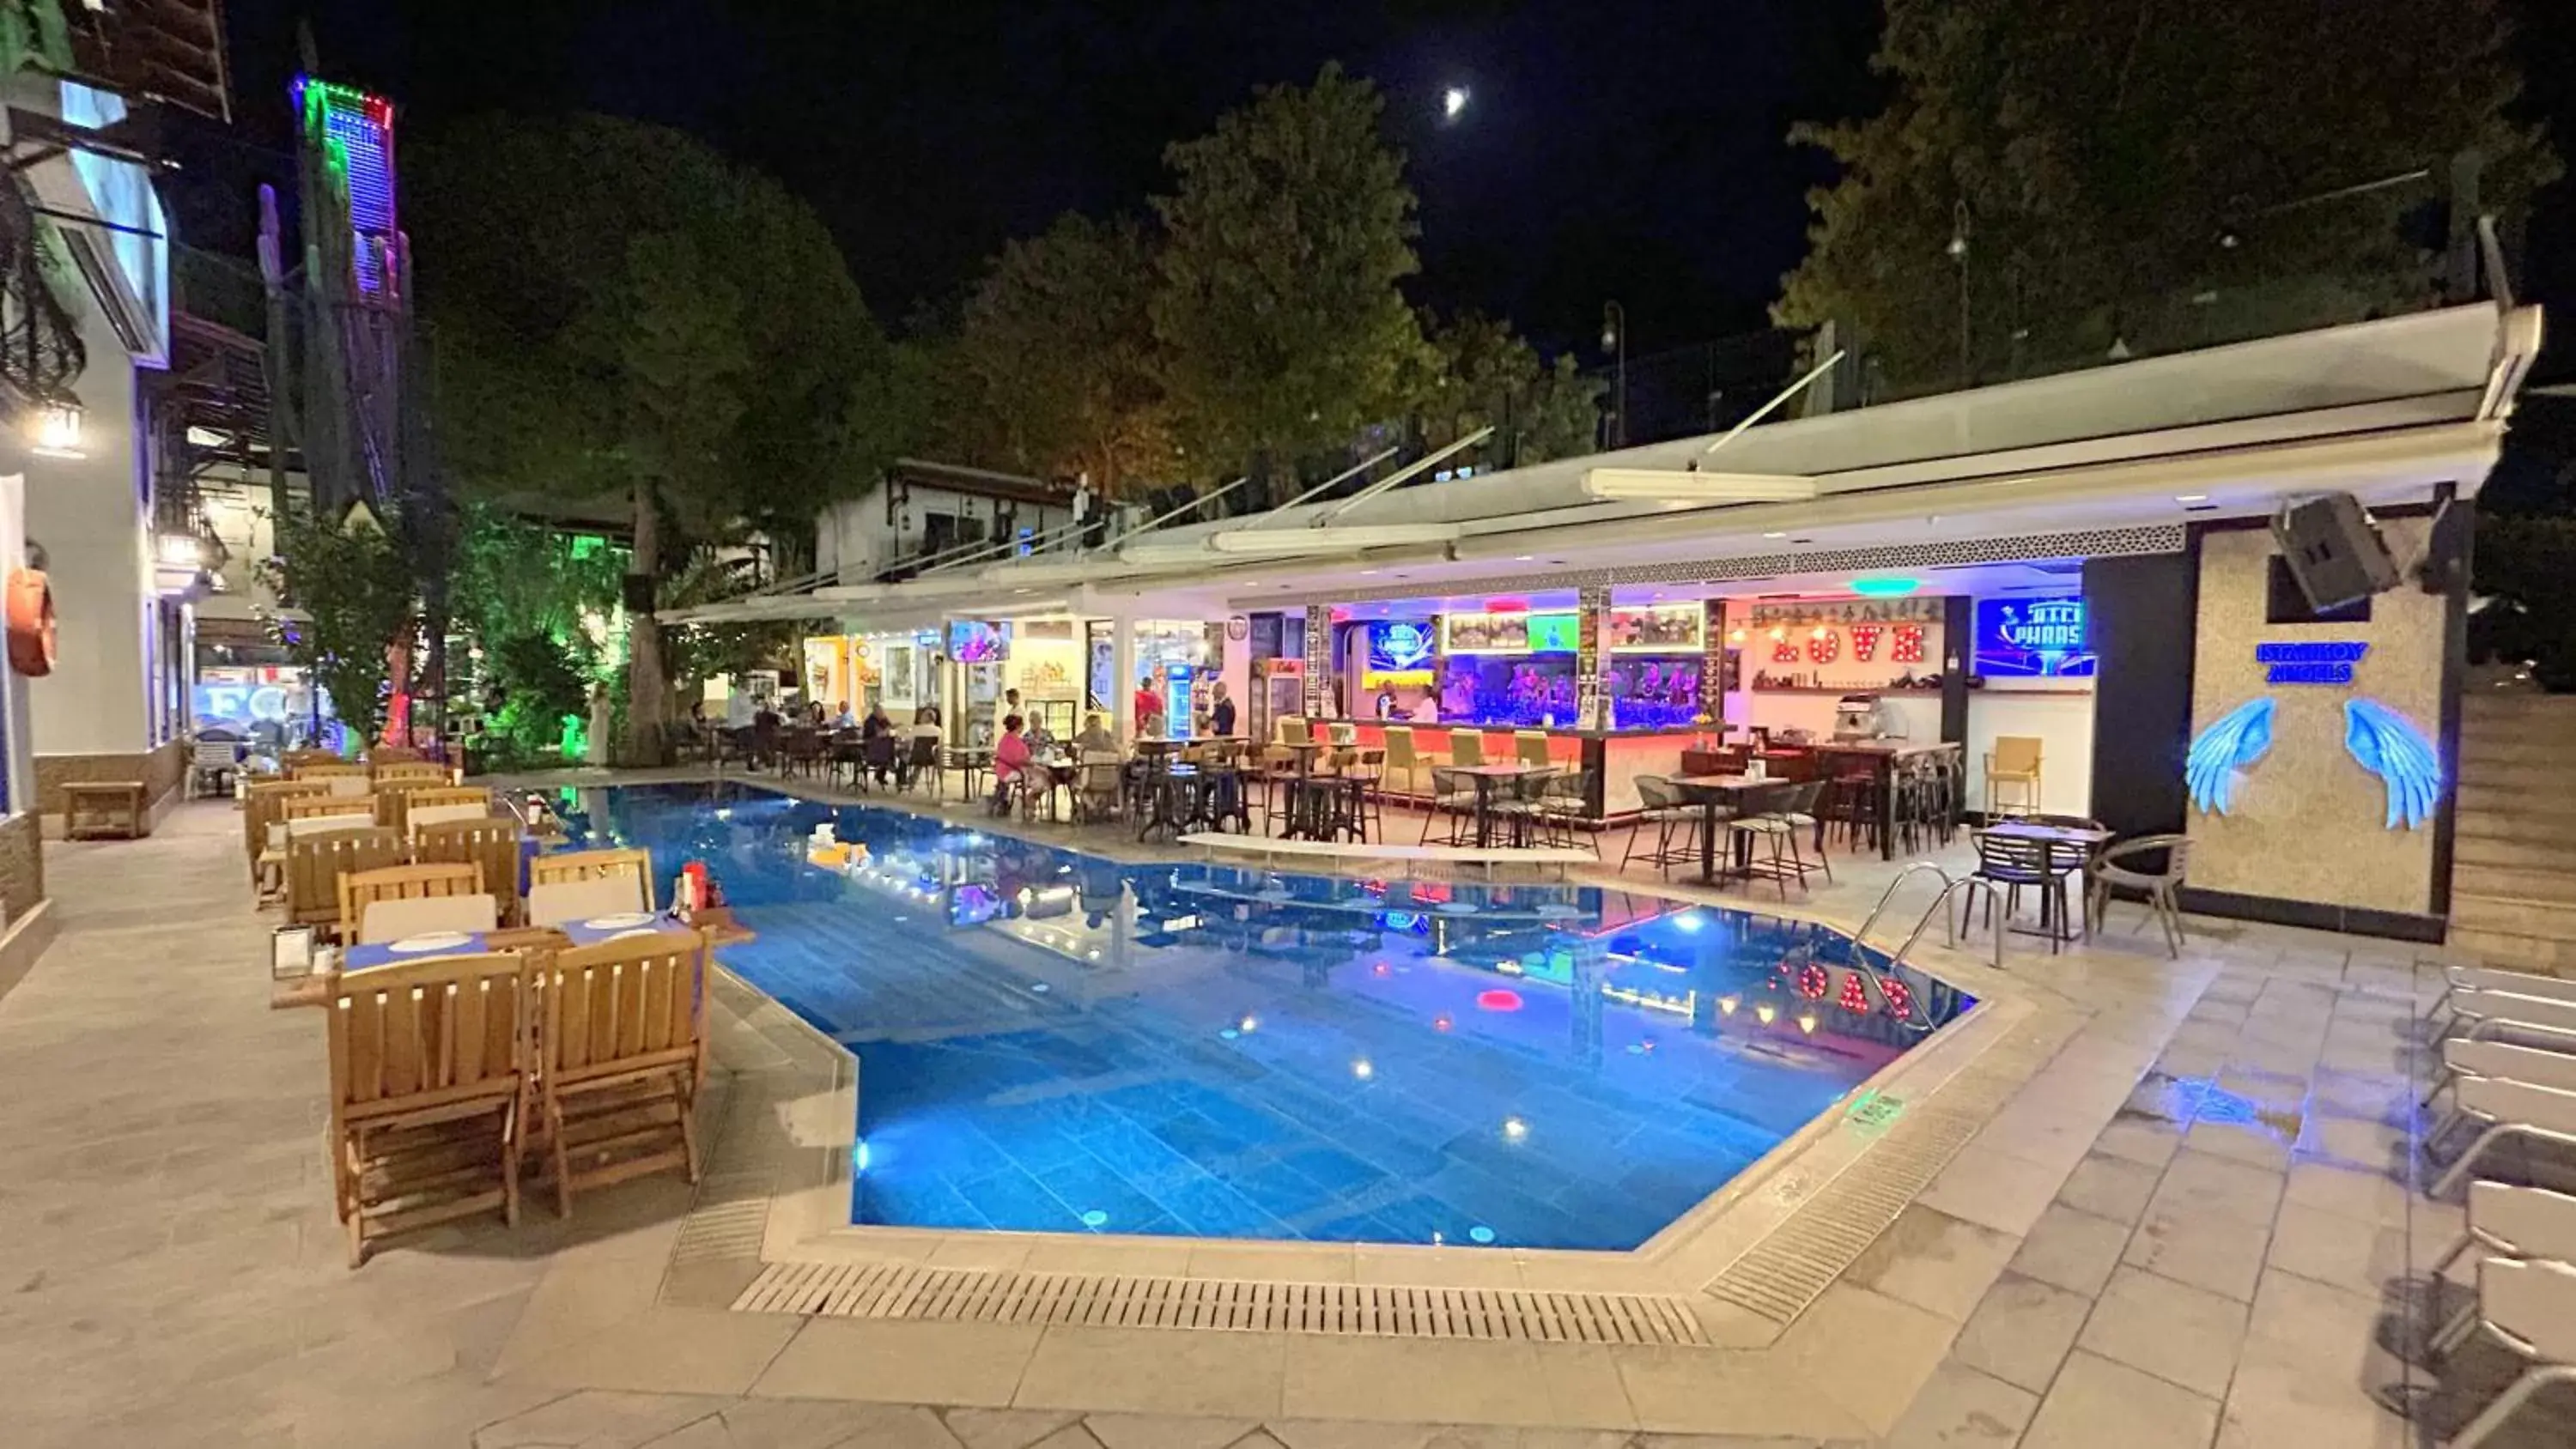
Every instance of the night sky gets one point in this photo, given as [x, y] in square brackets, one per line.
[1612, 148]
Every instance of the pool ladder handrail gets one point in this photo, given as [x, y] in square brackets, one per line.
[1896, 962]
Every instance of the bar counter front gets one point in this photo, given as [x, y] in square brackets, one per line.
[1614, 757]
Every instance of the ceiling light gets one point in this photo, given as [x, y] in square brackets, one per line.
[1884, 588]
[1368, 573]
[1775, 535]
[57, 430]
[1674, 485]
[1523, 557]
[2191, 498]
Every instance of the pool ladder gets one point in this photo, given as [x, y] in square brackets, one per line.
[1859, 939]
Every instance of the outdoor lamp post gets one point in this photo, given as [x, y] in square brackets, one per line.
[1614, 340]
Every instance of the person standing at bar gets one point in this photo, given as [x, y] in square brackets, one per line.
[1149, 709]
[1221, 714]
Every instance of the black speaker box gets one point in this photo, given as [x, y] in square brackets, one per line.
[2333, 552]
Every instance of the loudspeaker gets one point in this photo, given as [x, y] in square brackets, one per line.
[638, 595]
[2333, 552]
[2446, 555]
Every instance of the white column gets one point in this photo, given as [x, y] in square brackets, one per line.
[1122, 678]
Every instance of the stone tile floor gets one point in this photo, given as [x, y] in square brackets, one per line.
[2232, 1258]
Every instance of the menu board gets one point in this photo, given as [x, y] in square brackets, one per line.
[1508, 633]
[1658, 629]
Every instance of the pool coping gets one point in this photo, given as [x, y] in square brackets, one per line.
[804, 1156]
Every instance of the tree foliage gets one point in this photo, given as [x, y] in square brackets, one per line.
[1286, 233]
[1055, 359]
[617, 311]
[1482, 372]
[2096, 157]
[357, 591]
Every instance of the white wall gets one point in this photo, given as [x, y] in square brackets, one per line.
[89, 515]
[2059, 717]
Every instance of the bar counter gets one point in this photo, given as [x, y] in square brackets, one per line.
[1615, 757]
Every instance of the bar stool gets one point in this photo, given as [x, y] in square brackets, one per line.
[1453, 795]
[1367, 782]
[1666, 811]
[2014, 762]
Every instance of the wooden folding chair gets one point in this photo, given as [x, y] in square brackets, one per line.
[264, 805]
[620, 1056]
[315, 863]
[360, 889]
[428, 1081]
[579, 865]
[491, 842]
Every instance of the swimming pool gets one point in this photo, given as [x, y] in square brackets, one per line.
[1053, 1041]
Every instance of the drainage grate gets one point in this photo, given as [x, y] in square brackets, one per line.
[1793, 1266]
[910, 1291]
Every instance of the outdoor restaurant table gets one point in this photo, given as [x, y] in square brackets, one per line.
[1708, 792]
[2085, 838]
[1485, 777]
[1883, 757]
[578, 933]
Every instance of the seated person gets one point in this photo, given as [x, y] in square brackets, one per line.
[1095, 735]
[877, 723]
[842, 718]
[1010, 761]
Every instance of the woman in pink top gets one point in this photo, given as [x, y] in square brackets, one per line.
[1010, 758]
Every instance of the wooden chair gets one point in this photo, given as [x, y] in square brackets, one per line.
[294, 760]
[263, 805]
[579, 865]
[360, 889]
[433, 795]
[335, 770]
[384, 755]
[389, 922]
[428, 1076]
[418, 817]
[619, 1059]
[323, 802]
[419, 771]
[2013, 761]
[315, 863]
[493, 843]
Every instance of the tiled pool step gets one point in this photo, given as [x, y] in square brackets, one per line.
[910, 1291]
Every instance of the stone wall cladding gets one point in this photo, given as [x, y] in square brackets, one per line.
[22, 864]
[161, 770]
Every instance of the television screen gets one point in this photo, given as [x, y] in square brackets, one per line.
[979, 641]
[2033, 638]
[1397, 645]
[1554, 634]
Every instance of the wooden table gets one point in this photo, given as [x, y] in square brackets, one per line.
[1707, 791]
[1883, 756]
[104, 809]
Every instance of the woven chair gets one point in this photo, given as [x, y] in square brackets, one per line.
[2121, 867]
[620, 1057]
[2006, 866]
[428, 1075]
[315, 863]
[1453, 795]
[1666, 811]
[579, 865]
[1777, 821]
[492, 843]
[1566, 806]
[360, 889]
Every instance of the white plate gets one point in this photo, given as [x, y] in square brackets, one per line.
[620, 921]
[435, 941]
[631, 935]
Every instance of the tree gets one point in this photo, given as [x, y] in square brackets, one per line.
[1482, 372]
[1289, 227]
[2053, 177]
[357, 591]
[617, 312]
[1057, 357]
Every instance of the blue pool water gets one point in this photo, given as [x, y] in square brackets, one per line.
[1052, 1041]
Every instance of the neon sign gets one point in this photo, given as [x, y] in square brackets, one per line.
[2320, 663]
[2034, 638]
[2379, 739]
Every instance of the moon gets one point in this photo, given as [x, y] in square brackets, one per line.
[1452, 101]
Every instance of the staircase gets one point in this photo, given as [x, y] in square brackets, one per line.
[2513, 878]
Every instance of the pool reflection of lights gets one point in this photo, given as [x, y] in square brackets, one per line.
[1362, 1069]
[859, 1156]
[1515, 1129]
[1765, 1012]
[1381, 969]
[1480, 1234]
[1689, 921]
[1807, 1022]
[1095, 1219]
[1440, 1023]
[1727, 1005]
[1229, 1034]
[1498, 1001]
[1247, 1025]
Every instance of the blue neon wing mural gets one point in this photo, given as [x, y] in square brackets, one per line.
[2233, 741]
[2390, 746]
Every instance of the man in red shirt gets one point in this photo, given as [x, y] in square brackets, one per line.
[1149, 709]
